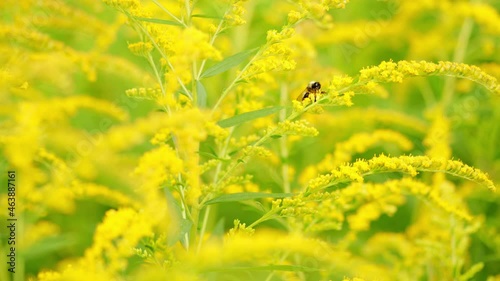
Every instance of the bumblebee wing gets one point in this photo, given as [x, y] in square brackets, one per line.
[303, 95]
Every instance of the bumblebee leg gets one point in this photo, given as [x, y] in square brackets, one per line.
[316, 94]
[321, 93]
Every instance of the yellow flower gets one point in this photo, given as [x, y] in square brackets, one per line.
[339, 82]
[234, 16]
[159, 166]
[113, 244]
[256, 249]
[240, 229]
[318, 9]
[276, 55]
[76, 142]
[300, 128]
[485, 15]
[140, 48]
[61, 170]
[396, 72]
[294, 17]
[250, 151]
[144, 93]
[102, 193]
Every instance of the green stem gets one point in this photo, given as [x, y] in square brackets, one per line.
[454, 258]
[267, 216]
[163, 55]
[239, 76]
[222, 155]
[183, 205]
[184, 213]
[217, 171]
[212, 40]
[245, 158]
[203, 227]
[284, 141]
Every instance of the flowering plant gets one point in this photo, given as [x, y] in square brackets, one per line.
[163, 140]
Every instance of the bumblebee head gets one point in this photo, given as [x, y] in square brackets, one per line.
[314, 85]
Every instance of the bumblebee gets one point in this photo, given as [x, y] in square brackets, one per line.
[312, 89]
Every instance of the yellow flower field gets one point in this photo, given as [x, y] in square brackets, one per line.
[249, 140]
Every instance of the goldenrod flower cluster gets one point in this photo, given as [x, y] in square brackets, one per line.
[140, 48]
[234, 16]
[143, 93]
[405, 164]
[300, 128]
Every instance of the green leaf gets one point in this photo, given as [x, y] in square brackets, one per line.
[159, 21]
[248, 116]
[201, 95]
[227, 63]
[184, 225]
[235, 197]
[280, 267]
